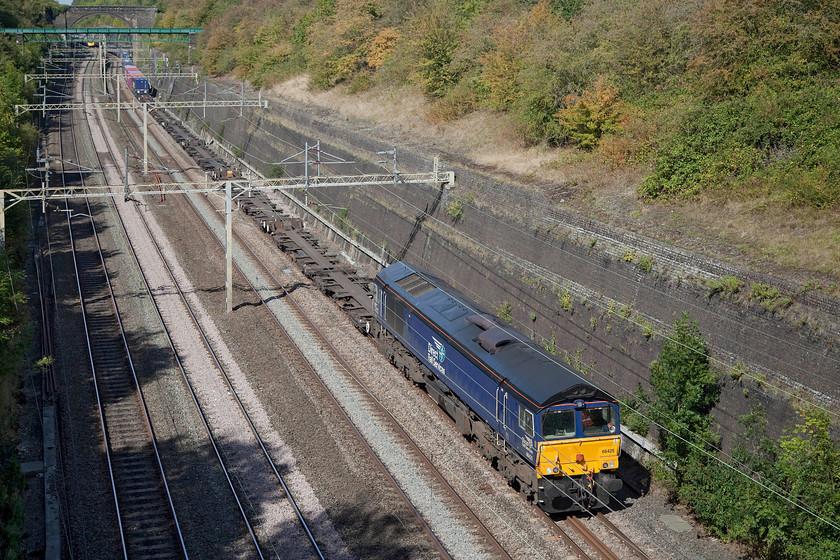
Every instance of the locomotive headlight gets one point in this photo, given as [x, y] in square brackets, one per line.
[605, 466]
[556, 470]
[612, 464]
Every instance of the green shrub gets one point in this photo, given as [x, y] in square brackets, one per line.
[565, 299]
[783, 137]
[645, 263]
[632, 412]
[769, 296]
[567, 8]
[743, 47]
[436, 53]
[745, 499]
[12, 486]
[520, 72]
[726, 286]
[686, 390]
[801, 464]
[504, 311]
[587, 117]
[340, 41]
[551, 345]
[455, 209]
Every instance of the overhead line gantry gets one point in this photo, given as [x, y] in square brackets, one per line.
[28, 77]
[242, 186]
[62, 35]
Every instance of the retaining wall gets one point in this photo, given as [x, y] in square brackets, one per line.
[570, 280]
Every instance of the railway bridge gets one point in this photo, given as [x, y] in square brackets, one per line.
[132, 16]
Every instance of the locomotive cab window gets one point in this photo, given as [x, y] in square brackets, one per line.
[597, 420]
[526, 421]
[558, 424]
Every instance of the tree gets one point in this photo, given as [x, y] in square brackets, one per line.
[587, 117]
[686, 390]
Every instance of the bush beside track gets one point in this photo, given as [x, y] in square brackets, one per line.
[18, 138]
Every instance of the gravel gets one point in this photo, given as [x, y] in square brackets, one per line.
[355, 514]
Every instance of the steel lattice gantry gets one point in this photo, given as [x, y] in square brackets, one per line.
[64, 34]
[29, 77]
[69, 106]
[145, 106]
[231, 188]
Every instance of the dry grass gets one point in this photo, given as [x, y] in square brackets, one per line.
[801, 244]
[483, 137]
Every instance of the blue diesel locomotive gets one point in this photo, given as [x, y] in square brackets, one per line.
[551, 433]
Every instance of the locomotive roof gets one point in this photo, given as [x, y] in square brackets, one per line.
[505, 353]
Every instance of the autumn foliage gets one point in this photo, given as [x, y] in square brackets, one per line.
[722, 98]
[594, 113]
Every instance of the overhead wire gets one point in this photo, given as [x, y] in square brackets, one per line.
[491, 509]
[666, 336]
[751, 475]
[488, 412]
[603, 374]
[547, 273]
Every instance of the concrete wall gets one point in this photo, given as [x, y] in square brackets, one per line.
[567, 277]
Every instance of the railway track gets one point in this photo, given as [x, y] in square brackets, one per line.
[145, 512]
[148, 525]
[340, 282]
[345, 287]
[238, 465]
[383, 415]
[332, 278]
[231, 387]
